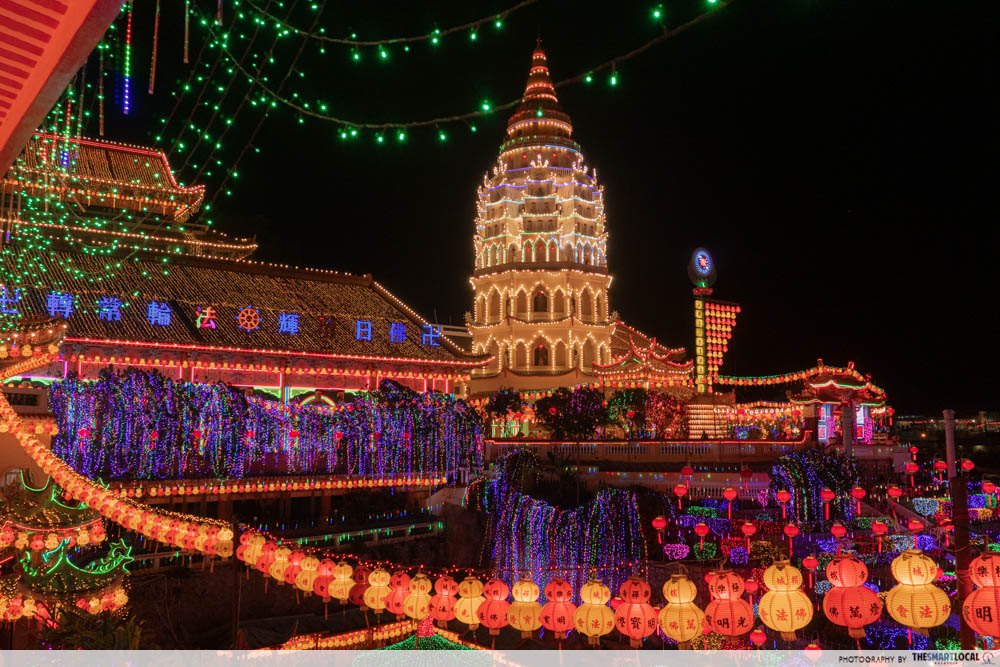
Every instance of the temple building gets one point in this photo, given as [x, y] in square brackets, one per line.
[140, 284]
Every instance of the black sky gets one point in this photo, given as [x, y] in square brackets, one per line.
[836, 156]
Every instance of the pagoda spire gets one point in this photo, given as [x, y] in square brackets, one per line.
[540, 102]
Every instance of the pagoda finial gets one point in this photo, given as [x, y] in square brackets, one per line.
[539, 101]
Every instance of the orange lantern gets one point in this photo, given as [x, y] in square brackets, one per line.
[356, 595]
[493, 612]
[342, 583]
[635, 617]
[981, 608]
[443, 601]
[728, 614]
[849, 603]
[558, 611]
[784, 607]
[470, 593]
[593, 618]
[525, 614]
[399, 589]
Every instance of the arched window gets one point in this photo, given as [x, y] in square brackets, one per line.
[522, 305]
[539, 251]
[493, 256]
[521, 356]
[495, 365]
[541, 356]
[587, 305]
[540, 302]
[511, 253]
[495, 312]
[587, 254]
[526, 252]
[559, 303]
[481, 314]
[560, 355]
[599, 309]
[588, 355]
[553, 252]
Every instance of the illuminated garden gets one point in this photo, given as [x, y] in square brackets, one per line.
[202, 449]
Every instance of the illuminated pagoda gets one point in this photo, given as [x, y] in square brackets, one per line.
[541, 274]
[140, 283]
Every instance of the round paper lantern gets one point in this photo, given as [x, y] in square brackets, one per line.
[680, 491]
[444, 599]
[783, 496]
[681, 619]
[307, 575]
[280, 564]
[813, 651]
[967, 465]
[356, 595]
[849, 603]
[758, 637]
[493, 612]
[728, 614]
[784, 607]
[557, 612]
[525, 614]
[660, 522]
[342, 583]
[378, 590]
[635, 617]
[894, 492]
[915, 602]
[294, 567]
[594, 618]
[729, 493]
[981, 608]
[838, 530]
[470, 593]
[417, 603]
[399, 589]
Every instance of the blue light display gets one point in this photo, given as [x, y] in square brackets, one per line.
[397, 332]
[431, 335]
[158, 313]
[58, 303]
[6, 301]
[362, 330]
[288, 323]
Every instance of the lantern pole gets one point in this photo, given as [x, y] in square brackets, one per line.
[960, 519]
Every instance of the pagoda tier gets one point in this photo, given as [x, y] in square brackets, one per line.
[638, 360]
[103, 181]
[540, 277]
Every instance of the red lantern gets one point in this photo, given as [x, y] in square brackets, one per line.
[758, 637]
[442, 605]
[910, 469]
[687, 472]
[914, 526]
[659, 523]
[750, 586]
[745, 475]
[701, 530]
[849, 603]
[399, 584]
[493, 612]
[879, 529]
[729, 617]
[635, 617]
[810, 562]
[967, 465]
[827, 495]
[988, 488]
[356, 595]
[748, 529]
[730, 494]
[680, 491]
[558, 611]
[838, 531]
[783, 497]
[790, 530]
[858, 493]
[813, 651]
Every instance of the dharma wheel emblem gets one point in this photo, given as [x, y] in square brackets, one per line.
[248, 318]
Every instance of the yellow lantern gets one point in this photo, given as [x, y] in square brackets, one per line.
[417, 604]
[378, 590]
[470, 596]
[342, 583]
[784, 607]
[280, 564]
[593, 618]
[916, 602]
[525, 614]
[306, 577]
[681, 619]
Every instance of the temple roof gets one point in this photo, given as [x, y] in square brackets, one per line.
[328, 306]
[106, 174]
[539, 112]
[640, 357]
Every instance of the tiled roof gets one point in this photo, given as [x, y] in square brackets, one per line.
[328, 306]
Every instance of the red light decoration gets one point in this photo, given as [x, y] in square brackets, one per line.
[790, 530]
[967, 465]
[858, 493]
[810, 562]
[826, 495]
[911, 469]
[687, 472]
[758, 637]
[914, 526]
[730, 494]
[728, 614]
[783, 497]
[659, 523]
[635, 617]
[748, 529]
[680, 491]
[849, 603]
[879, 529]
[701, 530]
[838, 530]
[981, 609]
[493, 612]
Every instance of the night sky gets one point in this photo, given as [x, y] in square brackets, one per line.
[831, 154]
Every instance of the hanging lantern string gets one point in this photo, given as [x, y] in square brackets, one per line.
[311, 34]
[276, 95]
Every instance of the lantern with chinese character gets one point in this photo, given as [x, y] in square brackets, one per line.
[784, 607]
[849, 603]
[378, 590]
[340, 587]
[279, 564]
[728, 614]
[356, 595]
[399, 589]
[635, 617]
[916, 602]
[525, 614]
[680, 619]
[981, 608]
[557, 612]
[594, 618]
[417, 604]
[307, 575]
[493, 612]
[444, 599]
[470, 596]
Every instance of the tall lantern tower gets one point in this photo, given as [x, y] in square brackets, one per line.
[541, 274]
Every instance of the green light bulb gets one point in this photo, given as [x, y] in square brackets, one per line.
[473, 36]
[442, 136]
[658, 12]
[401, 136]
[486, 105]
[498, 23]
[588, 79]
[434, 41]
[614, 80]
[355, 55]
[379, 138]
[383, 53]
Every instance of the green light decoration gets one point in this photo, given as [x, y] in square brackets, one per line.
[239, 76]
[63, 577]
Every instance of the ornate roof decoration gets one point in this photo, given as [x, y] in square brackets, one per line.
[636, 356]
